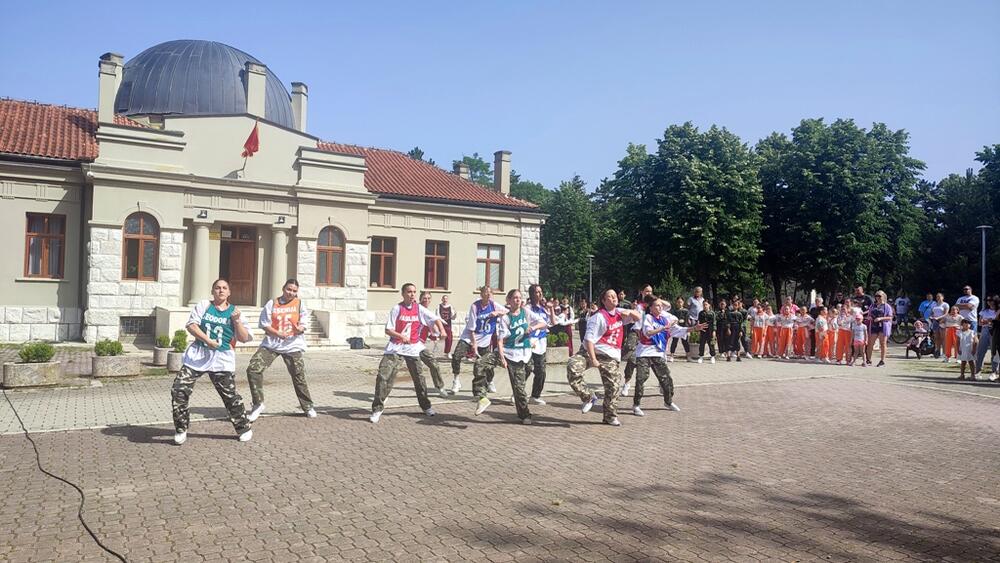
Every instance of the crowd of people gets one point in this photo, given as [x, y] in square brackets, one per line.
[645, 334]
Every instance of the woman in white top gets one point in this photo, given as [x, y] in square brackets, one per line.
[938, 311]
[216, 325]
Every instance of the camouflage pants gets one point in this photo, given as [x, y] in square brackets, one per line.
[518, 372]
[461, 350]
[536, 368]
[432, 365]
[296, 365]
[628, 352]
[662, 373]
[387, 369]
[225, 384]
[482, 371]
[609, 376]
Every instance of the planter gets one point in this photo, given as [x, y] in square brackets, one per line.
[174, 361]
[30, 375]
[160, 356]
[557, 355]
[115, 366]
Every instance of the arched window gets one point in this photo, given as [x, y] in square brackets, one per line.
[330, 257]
[140, 248]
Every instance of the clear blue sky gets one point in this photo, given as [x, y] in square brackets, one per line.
[565, 86]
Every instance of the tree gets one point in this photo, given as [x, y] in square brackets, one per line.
[480, 171]
[528, 190]
[417, 154]
[567, 238]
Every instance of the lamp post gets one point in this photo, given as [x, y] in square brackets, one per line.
[591, 294]
[983, 229]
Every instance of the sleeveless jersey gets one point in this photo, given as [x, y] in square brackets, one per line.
[408, 323]
[284, 318]
[218, 326]
[659, 339]
[485, 324]
[541, 312]
[518, 327]
[613, 335]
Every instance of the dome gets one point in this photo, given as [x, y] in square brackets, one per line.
[190, 77]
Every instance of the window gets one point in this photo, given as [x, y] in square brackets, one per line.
[140, 248]
[383, 267]
[436, 265]
[330, 257]
[44, 245]
[489, 266]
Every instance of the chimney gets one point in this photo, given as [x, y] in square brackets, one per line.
[462, 169]
[256, 80]
[501, 172]
[110, 77]
[300, 101]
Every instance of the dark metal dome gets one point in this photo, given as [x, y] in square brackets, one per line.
[191, 77]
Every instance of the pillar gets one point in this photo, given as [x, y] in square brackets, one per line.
[201, 271]
[279, 259]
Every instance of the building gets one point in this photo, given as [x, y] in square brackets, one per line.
[128, 213]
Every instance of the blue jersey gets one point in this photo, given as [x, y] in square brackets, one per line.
[541, 311]
[486, 323]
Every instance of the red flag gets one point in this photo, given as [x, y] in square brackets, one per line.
[253, 143]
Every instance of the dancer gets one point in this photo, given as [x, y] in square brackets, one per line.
[284, 321]
[427, 356]
[653, 334]
[447, 314]
[215, 325]
[707, 337]
[683, 319]
[539, 340]
[403, 329]
[480, 329]
[601, 350]
[632, 338]
[514, 353]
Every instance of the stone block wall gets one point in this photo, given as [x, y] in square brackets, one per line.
[54, 324]
[347, 305]
[109, 297]
[530, 253]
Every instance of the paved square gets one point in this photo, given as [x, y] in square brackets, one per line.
[767, 461]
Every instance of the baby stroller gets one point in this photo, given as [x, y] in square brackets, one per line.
[921, 342]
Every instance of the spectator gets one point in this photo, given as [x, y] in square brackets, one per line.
[925, 308]
[938, 312]
[902, 304]
[695, 304]
[881, 326]
[968, 306]
[986, 320]
[862, 300]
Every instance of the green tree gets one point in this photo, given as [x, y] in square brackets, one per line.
[480, 171]
[528, 190]
[416, 153]
[567, 238]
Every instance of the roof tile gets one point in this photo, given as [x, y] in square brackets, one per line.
[48, 131]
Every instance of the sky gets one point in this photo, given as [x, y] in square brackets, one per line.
[565, 86]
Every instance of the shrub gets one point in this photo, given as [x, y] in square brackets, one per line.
[36, 352]
[552, 339]
[163, 341]
[562, 339]
[180, 341]
[109, 348]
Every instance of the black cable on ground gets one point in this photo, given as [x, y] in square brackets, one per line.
[38, 461]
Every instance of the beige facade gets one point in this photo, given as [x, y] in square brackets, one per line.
[256, 221]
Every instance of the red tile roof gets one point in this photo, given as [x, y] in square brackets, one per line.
[65, 133]
[48, 131]
[394, 173]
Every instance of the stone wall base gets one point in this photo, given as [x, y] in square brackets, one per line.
[52, 324]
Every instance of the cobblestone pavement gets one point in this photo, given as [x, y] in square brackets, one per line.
[767, 461]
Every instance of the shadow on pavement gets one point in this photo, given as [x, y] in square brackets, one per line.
[952, 380]
[154, 435]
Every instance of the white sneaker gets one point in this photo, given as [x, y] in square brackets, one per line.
[625, 390]
[483, 404]
[430, 412]
[615, 422]
[255, 412]
[526, 421]
[536, 401]
[588, 404]
[311, 413]
[699, 360]
[638, 411]
[711, 360]
[245, 437]
[994, 376]
[673, 407]
[456, 386]
[443, 392]
[180, 437]
[492, 387]
[670, 359]
[749, 356]
[375, 416]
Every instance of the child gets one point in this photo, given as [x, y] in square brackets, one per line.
[803, 322]
[822, 338]
[859, 339]
[950, 323]
[771, 333]
[785, 333]
[707, 317]
[844, 334]
[759, 326]
[967, 344]
[916, 342]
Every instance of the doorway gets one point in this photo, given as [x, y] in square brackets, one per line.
[238, 262]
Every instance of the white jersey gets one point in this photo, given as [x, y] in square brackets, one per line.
[596, 329]
[503, 331]
[203, 358]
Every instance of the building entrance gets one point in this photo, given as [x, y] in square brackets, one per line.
[238, 262]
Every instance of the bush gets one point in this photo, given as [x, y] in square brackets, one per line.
[109, 348]
[36, 352]
[163, 341]
[180, 341]
[552, 340]
[562, 339]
